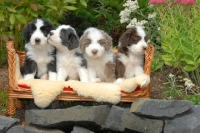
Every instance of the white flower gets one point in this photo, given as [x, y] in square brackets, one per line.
[135, 22]
[124, 20]
[186, 79]
[151, 5]
[130, 7]
[171, 75]
[151, 15]
[188, 83]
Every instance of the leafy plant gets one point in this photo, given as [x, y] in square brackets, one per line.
[173, 91]
[3, 54]
[109, 18]
[15, 14]
[101, 14]
[194, 98]
[180, 36]
[157, 61]
[3, 98]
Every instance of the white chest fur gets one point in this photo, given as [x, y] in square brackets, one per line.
[97, 65]
[41, 55]
[133, 64]
[68, 61]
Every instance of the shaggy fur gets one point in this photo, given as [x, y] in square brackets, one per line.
[129, 85]
[97, 47]
[44, 95]
[70, 61]
[130, 57]
[40, 61]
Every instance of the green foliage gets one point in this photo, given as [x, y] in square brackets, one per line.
[194, 98]
[3, 110]
[180, 37]
[157, 61]
[3, 54]
[3, 98]
[173, 90]
[101, 14]
[15, 14]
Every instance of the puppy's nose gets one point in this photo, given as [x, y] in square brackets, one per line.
[37, 40]
[51, 33]
[144, 48]
[94, 51]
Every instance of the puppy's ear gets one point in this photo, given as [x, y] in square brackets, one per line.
[48, 25]
[28, 31]
[84, 41]
[109, 42]
[69, 38]
[73, 41]
[126, 37]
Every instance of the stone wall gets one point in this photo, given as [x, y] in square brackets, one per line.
[143, 116]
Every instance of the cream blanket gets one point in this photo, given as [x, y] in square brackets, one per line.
[46, 91]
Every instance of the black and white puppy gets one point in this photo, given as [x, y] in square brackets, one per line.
[40, 60]
[70, 61]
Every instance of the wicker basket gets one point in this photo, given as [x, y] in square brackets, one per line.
[15, 93]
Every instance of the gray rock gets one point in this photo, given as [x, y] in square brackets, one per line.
[31, 129]
[120, 118]
[2, 128]
[188, 123]
[6, 123]
[160, 108]
[78, 129]
[65, 119]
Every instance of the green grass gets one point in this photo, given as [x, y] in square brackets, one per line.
[194, 98]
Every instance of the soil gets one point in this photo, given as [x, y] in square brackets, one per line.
[157, 79]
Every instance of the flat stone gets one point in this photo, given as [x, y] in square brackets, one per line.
[120, 119]
[2, 128]
[188, 123]
[160, 108]
[65, 119]
[31, 129]
[7, 122]
[78, 129]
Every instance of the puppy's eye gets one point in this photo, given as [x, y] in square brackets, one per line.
[135, 38]
[86, 42]
[102, 43]
[129, 44]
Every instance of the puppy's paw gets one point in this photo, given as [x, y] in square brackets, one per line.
[84, 80]
[28, 76]
[96, 80]
[44, 76]
[119, 81]
[52, 76]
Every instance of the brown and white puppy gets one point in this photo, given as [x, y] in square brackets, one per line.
[130, 56]
[97, 47]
